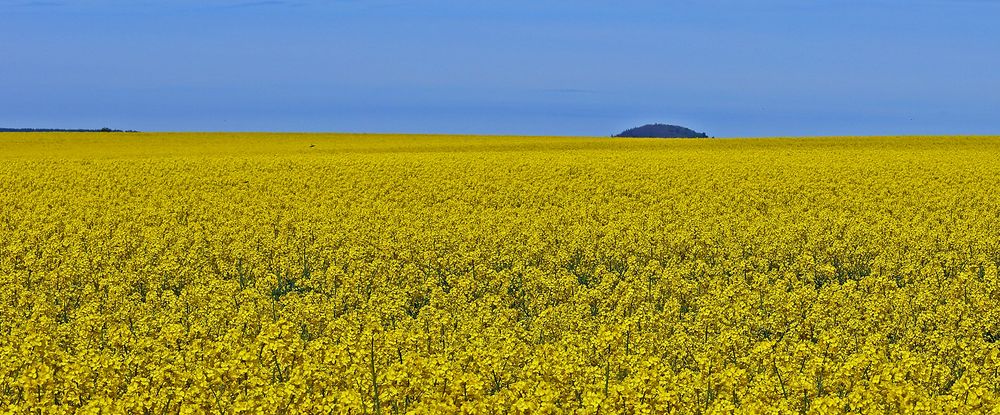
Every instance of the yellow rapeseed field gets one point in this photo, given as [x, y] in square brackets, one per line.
[298, 273]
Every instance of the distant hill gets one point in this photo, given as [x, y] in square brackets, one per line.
[661, 131]
[58, 130]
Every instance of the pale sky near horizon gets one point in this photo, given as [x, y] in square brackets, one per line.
[533, 67]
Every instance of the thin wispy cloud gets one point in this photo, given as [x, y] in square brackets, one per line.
[264, 3]
[30, 4]
[570, 91]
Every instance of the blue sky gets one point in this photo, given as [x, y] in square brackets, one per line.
[535, 67]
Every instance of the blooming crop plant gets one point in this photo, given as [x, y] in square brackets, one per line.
[390, 274]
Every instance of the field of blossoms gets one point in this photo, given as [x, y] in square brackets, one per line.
[380, 274]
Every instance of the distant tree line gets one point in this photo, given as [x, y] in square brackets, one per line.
[661, 131]
[60, 130]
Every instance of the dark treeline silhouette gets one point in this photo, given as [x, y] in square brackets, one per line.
[661, 131]
[60, 130]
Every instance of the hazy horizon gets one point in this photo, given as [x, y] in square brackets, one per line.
[770, 68]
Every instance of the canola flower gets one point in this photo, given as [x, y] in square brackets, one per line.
[377, 274]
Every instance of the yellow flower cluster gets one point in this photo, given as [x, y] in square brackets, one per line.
[255, 273]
